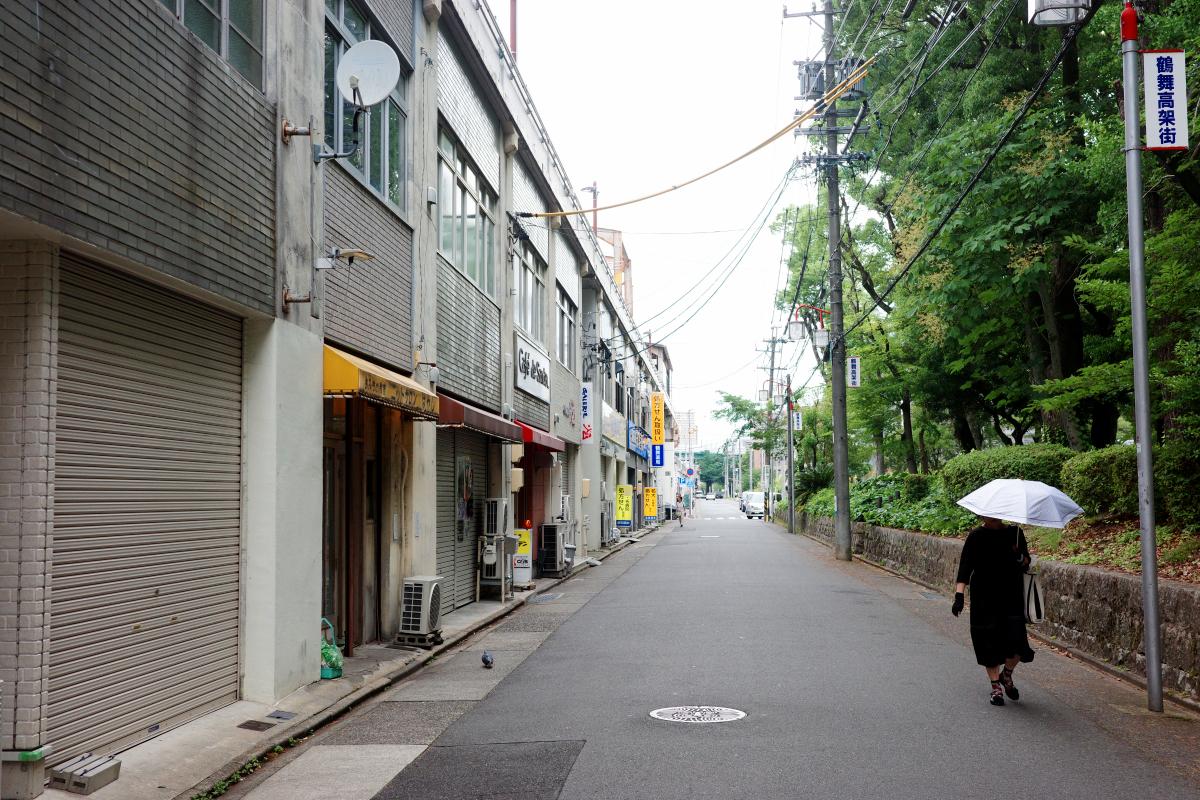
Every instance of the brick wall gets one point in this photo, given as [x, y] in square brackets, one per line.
[468, 339]
[463, 106]
[123, 130]
[531, 410]
[368, 306]
[525, 197]
[28, 345]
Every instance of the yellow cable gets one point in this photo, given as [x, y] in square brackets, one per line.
[830, 96]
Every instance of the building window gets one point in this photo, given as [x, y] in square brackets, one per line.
[380, 158]
[233, 28]
[529, 278]
[567, 323]
[466, 215]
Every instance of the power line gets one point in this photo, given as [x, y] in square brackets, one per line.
[1067, 41]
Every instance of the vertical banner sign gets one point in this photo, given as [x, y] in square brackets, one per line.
[523, 558]
[1165, 89]
[797, 420]
[624, 506]
[658, 428]
[853, 372]
[650, 503]
[586, 432]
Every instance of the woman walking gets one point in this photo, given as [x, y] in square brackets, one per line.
[994, 558]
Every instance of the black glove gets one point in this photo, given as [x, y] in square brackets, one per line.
[957, 608]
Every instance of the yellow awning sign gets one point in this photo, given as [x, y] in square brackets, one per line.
[350, 376]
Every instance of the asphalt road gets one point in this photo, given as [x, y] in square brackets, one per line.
[855, 685]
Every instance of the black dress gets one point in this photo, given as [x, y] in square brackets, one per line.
[993, 564]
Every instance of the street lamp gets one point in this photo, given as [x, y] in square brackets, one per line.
[1058, 13]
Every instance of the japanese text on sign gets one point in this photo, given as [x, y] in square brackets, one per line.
[624, 506]
[1165, 89]
[853, 372]
[658, 423]
[650, 503]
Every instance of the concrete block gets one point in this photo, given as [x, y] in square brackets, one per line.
[22, 780]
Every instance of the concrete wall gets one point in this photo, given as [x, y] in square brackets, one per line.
[172, 170]
[1093, 610]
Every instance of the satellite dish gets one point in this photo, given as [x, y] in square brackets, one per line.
[368, 72]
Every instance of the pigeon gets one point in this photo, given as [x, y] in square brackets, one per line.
[488, 661]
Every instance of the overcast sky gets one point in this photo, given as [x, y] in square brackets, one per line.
[642, 95]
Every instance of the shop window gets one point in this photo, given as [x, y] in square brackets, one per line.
[466, 215]
[233, 28]
[381, 158]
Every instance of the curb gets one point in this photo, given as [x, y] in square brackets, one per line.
[313, 722]
[1079, 655]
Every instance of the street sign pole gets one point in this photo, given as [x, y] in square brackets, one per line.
[1130, 58]
[790, 461]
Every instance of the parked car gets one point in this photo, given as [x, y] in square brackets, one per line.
[754, 505]
[710, 496]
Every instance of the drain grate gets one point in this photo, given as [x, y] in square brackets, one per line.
[544, 598]
[256, 725]
[698, 714]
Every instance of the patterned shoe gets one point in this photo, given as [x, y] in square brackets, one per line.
[997, 694]
[1010, 688]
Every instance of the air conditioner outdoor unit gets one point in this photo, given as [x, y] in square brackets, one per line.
[421, 606]
[495, 516]
[551, 559]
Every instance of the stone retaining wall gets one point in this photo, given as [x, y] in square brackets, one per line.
[1093, 610]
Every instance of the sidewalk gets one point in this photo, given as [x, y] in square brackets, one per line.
[196, 756]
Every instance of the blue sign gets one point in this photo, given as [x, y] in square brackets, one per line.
[657, 456]
[638, 440]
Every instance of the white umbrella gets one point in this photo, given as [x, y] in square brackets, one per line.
[1027, 502]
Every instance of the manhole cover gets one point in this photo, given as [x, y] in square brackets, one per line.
[256, 725]
[544, 598]
[698, 714]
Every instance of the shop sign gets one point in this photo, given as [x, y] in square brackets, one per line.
[614, 425]
[586, 432]
[658, 419]
[523, 558]
[650, 503]
[638, 440]
[1166, 100]
[658, 455]
[624, 506]
[532, 370]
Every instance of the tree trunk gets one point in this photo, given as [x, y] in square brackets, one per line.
[877, 460]
[1058, 348]
[924, 453]
[906, 431]
[1007, 442]
[962, 432]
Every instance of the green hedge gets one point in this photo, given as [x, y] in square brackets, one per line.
[1103, 481]
[1176, 468]
[887, 500]
[965, 473]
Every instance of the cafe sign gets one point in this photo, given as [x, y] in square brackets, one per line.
[532, 369]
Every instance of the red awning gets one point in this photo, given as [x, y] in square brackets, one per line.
[534, 436]
[453, 414]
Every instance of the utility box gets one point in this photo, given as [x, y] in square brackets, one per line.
[85, 774]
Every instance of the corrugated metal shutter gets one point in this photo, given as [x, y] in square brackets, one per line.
[147, 518]
[445, 515]
[474, 446]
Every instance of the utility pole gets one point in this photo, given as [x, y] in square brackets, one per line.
[841, 457]
[1141, 374]
[769, 455]
[595, 191]
[791, 476]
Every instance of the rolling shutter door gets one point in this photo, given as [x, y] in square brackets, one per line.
[474, 446]
[445, 515]
[147, 519]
